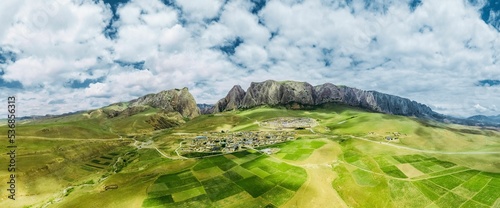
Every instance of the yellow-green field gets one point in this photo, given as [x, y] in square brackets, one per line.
[344, 161]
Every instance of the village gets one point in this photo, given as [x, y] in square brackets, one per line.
[278, 130]
[227, 142]
[289, 122]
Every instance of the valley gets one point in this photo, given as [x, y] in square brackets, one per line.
[343, 160]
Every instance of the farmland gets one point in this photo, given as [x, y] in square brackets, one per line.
[439, 183]
[343, 160]
[220, 181]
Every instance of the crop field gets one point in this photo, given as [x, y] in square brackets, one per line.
[392, 178]
[343, 161]
[379, 175]
[297, 150]
[222, 180]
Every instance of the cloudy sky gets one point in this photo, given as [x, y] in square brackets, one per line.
[60, 56]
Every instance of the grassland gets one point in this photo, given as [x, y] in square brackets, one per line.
[342, 162]
[440, 183]
[221, 180]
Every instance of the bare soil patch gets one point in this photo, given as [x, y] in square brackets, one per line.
[317, 191]
[409, 170]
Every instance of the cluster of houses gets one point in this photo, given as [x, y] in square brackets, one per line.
[227, 142]
[394, 136]
[290, 122]
[391, 136]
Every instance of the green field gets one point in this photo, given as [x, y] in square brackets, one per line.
[217, 184]
[450, 186]
[346, 152]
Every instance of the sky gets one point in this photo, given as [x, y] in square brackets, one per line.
[62, 56]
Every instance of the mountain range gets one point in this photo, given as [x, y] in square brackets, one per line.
[302, 95]
[290, 94]
[485, 118]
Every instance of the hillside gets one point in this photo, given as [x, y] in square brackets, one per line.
[145, 114]
[300, 95]
[346, 152]
[293, 154]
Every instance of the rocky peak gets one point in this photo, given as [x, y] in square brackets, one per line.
[175, 100]
[272, 92]
[232, 100]
[301, 94]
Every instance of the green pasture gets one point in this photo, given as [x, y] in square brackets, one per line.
[449, 185]
[220, 181]
[72, 149]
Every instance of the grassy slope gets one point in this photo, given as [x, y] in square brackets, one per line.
[341, 120]
[86, 126]
[333, 120]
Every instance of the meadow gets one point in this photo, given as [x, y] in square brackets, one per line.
[232, 180]
[411, 179]
[344, 161]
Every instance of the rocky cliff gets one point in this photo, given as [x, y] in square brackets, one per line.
[175, 100]
[278, 93]
[371, 100]
[232, 100]
[302, 94]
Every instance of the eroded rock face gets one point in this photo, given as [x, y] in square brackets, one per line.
[400, 106]
[232, 100]
[302, 94]
[175, 100]
[269, 92]
[297, 92]
[371, 100]
[262, 93]
[328, 93]
[272, 92]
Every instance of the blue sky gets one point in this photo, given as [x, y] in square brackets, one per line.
[60, 56]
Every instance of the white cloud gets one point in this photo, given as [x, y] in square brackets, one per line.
[142, 27]
[242, 23]
[97, 90]
[41, 71]
[198, 10]
[172, 39]
[435, 55]
[252, 56]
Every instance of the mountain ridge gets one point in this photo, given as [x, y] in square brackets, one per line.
[299, 95]
[302, 95]
[174, 100]
[290, 94]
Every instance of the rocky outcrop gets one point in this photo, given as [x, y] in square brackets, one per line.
[269, 92]
[232, 100]
[302, 95]
[371, 100]
[175, 100]
[272, 92]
